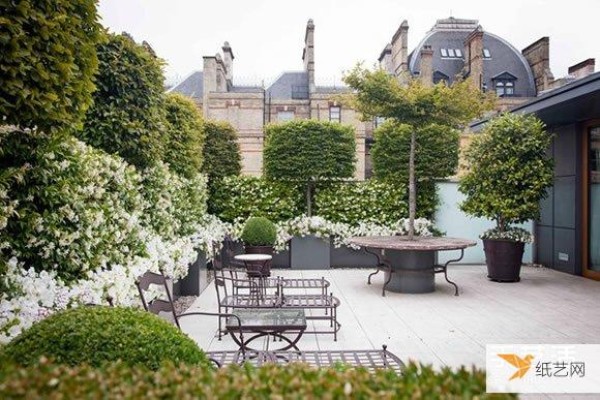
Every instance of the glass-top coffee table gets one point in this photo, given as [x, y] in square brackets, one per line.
[266, 322]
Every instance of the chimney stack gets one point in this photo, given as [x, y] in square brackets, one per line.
[474, 53]
[308, 55]
[385, 59]
[426, 65]
[400, 51]
[228, 61]
[537, 55]
[583, 69]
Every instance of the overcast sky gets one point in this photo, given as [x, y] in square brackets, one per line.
[267, 36]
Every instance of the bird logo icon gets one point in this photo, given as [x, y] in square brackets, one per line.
[521, 364]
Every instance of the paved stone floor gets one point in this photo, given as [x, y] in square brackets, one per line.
[439, 328]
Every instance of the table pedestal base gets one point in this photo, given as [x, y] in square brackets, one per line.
[412, 271]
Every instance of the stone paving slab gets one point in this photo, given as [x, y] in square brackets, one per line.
[438, 328]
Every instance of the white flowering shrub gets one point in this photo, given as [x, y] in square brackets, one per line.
[511, 233]
[340, 232]
[78, 208]
[176, 204]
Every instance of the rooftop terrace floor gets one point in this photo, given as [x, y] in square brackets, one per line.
[439, 328]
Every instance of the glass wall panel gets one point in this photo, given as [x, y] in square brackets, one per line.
[594, 199]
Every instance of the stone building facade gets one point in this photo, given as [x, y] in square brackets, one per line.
[454, 48]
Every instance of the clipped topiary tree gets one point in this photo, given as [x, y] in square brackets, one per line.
[98, 335]
[309, 151]
[259, 231]
[418, 105]
[128, 116]
[48, 50]
[507, 178]
[184, 149]
[222, 155]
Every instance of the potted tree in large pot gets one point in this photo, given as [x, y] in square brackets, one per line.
[259, 235]
[508, 174]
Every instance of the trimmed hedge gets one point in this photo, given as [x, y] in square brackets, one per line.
[304, 150]
[259, 231]
[292, 381]
[186, 135]
[222, 156]
[436, 155]
[241, 197]
[49, 58]
[128, 114]
[97, 335]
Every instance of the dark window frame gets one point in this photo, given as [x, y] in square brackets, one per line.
[339, 114]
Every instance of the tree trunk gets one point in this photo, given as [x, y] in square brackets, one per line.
[308, 199]
[412, 192]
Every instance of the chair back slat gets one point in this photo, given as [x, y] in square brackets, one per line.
[155, 306]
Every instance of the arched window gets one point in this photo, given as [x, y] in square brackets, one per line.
[504, 84]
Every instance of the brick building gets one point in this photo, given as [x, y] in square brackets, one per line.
[453, 48]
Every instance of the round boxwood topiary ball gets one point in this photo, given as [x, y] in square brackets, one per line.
[259, 231]
[96, 335]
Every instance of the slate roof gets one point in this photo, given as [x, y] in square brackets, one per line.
[504, 58]
[192, 86]
[289, 85]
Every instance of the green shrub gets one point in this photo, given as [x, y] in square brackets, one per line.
[259, 231]
[186, 135]
[222, 155]
[97, 335]
[128, 115]
[306, 150]
[48, 52]
[76, 205]
[436, 153]
[509, 171]
[240, 197]
[118, 381]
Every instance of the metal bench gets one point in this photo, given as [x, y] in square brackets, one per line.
[369, 359]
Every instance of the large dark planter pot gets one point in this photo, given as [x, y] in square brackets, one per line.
[503, 259]
[263, 268]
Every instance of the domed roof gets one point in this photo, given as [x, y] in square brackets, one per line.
[501, 59]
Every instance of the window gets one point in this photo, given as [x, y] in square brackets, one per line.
[444, 52]
[458, 53]
[335, 114]
[379, 121]
[451, 53]
[486, 53]
[504, 84]
[283, 116]
[440, 77]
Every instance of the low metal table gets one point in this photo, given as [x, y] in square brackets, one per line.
[270, 323]
[410, 265]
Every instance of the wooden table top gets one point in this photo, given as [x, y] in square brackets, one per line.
[420, 243]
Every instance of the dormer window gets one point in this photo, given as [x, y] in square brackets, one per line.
[504, 84]
[487, 54]
[440, 77]
[451, 53]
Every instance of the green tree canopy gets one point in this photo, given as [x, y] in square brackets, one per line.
[509, 170]
[48, 59]
[185, 135]
[127, 116]
[307, 150]
[417, 105]
[222, 155]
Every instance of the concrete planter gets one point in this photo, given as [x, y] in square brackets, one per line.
[195, 281]
[346, 257]
[310, 252]
[280, 260]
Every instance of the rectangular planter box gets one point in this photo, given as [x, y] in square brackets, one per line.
[346, 257]
[280, 260]
[196, 280]
[309, 252]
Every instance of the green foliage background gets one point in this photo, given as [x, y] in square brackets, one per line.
[222, 155]
[509, 170]
[306, 150]
[47, 61]
[128, 115]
